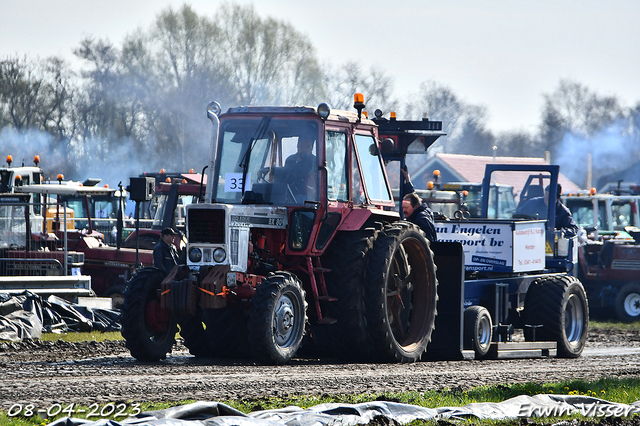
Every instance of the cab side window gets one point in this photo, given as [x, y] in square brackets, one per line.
[337, 166]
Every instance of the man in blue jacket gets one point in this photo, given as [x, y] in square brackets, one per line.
[415, 211]
[537, 207]
[165, 254]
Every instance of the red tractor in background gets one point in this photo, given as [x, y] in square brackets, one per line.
[167, 208]
[109, 267]
[609, 257]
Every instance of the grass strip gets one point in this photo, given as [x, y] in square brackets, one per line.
[626, 391]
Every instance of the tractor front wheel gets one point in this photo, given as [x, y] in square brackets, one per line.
[149, 330]
[277, 318]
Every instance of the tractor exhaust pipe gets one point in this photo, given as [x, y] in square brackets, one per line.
[213, 110]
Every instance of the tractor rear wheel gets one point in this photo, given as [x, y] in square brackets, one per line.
[400, 293]
[627, 303]
[277, 318]
[478, 330]
[148, 329]
[557, 307]
[346, 257]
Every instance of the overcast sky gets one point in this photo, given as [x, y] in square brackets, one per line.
[502, 54]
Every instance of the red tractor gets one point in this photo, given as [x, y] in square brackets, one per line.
[274, 238]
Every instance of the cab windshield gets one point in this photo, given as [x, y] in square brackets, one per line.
[266, 160]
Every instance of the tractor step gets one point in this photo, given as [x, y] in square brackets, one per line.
[316, 269]
[328, 298]
[328, 321]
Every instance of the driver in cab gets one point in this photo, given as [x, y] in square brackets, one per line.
[301, 169]
[537, 207]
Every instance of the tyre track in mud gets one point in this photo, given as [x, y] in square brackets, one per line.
[42, 373]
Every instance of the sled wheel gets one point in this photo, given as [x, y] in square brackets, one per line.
[400, 293]
[149, 330]
[478, 330]
[628, 303]
[346, 258]
[277, 318]
[559, 305]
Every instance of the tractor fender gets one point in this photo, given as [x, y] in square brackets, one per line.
[354, 220]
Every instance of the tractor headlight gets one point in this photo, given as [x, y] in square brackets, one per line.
[219, 255]
[323, 111]
[195, 255]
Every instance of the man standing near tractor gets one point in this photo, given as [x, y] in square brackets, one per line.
[165, 254]
[415, 211]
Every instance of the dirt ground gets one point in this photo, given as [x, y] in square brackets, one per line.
[45, 373]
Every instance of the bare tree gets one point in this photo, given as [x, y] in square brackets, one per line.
[36, 94]
[474, 138]
[577, 122]
[349, 79]
[518, 144]
[574, 108]
[268, 60]
[438, 102]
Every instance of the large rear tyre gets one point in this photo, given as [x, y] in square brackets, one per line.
[277, 318]
[346, 258]
[400, 293]
[558, 304]
[149, 331]
[478, 330]
[627, 303]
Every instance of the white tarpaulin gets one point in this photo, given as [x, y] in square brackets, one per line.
[217, 414]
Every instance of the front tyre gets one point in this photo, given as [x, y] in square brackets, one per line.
[558, 304]
[478, 330]
[627, 303]
[148, 329]
[277, 318]
[400, 293]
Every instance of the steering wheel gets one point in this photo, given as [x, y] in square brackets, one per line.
[265, 175]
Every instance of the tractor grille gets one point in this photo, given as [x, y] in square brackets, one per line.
[233, 246]
[206, 226]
